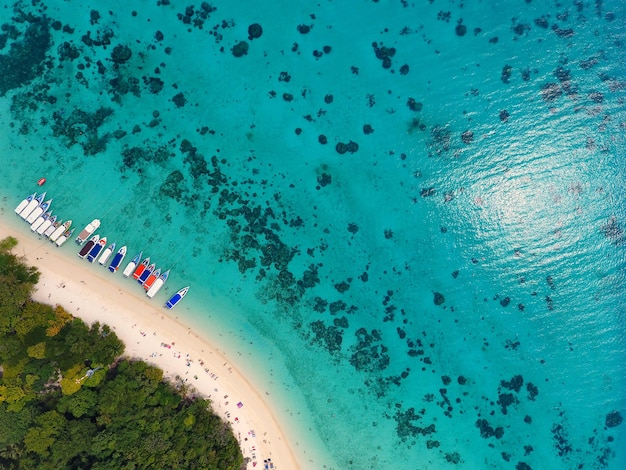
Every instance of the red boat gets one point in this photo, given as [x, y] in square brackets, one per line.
[141, 268]
[41, 181]
[151, 278]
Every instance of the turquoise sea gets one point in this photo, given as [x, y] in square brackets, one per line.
[404, 219]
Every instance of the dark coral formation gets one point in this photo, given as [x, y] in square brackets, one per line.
[254, 31]
[24, 62]
[613, 419]
[406, 427]
[240, 49]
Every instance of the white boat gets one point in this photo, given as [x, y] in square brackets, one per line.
[60, 231]
[43, 207]
[157, 284]
[130, 267]
[106, 253]
[22, 205]
[46, 225]
[87, 231]
[63, 238]
[32, 205]
[53, 227]
[40, 220]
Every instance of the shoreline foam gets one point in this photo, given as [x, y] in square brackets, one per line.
[152, 336]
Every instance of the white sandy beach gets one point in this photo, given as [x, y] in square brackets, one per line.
[150, 334]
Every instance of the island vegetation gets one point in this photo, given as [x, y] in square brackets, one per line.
[68, 399]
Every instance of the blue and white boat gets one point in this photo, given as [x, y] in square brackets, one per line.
[43, 207]
[46, 225]
[96, 249]
[40, 220]
[34, 203]
[117, 259]
[145, 273]
[177, 297]
[22, 205]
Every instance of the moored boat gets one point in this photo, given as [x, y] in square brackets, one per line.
[177, 297]
[22, 205]
[130, 267]
[33, 203]
[158, 284]
[87, 231]
[106, 253]
[154, 275]
[60, 231]
[96, 249]
[141, 267]
[50, 230]
[43, 207]
[63, 238]
[40, 220]
[117, 259]
[146, 272]
[88, 246]
[46, 225]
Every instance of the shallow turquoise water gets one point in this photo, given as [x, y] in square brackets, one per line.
[466, 263]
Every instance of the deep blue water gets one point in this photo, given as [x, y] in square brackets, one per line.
[407, 218]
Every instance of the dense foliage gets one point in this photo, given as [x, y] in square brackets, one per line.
[68, 401]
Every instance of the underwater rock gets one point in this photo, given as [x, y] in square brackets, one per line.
[533, 391]
[506, 73]
[254, 31]
[179, 100]
[515, 383]
[561, 441]
[613, 419]
[487, 431]
[550, 92]
[172, 187]
[504, 115]
[240, 49]
[121, 54]
[446, 380]
[367, 129]
[438, 298]
[414, 105]
[324, 179]
[322, 139]
[352, 147]
[405, 427]
[505, 400]
[341, 148]
[304, 28]
[460, 29]
[467, 137]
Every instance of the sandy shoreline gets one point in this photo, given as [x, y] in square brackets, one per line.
[150, 334]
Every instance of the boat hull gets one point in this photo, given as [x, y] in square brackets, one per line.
[45, 226]
[60, 231]
[87, 231]
[117, 260]
[106, 254]
[96, 249]
[22, 205]
[176, 298]
[88, 246]
[145, 274]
